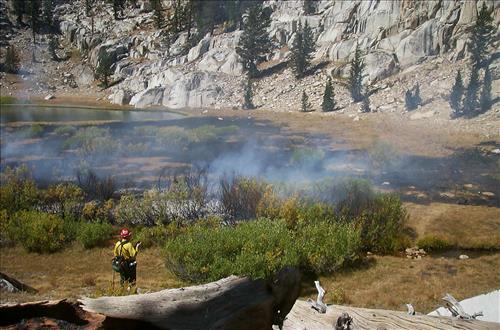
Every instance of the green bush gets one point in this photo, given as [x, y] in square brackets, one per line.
[93, 234]
[65, 130]
[156, 235]
[65, 199]
[434, 243]
[6, 237]
[34, 131]
[18, 190]
[383, 224]
[307, 156]
[39, 232]
[259, 249]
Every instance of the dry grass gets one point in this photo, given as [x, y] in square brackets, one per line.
[391, 282]
[75, 272]
[465, 226]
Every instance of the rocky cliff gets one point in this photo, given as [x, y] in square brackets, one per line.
[395, 36]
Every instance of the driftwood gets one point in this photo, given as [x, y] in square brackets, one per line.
[457, 310]
[230, 303]
[10, 284]
[302, 317]
[318, 305]
[60, 314]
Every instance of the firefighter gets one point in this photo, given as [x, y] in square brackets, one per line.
[126, 253]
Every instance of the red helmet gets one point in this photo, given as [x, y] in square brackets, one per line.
[125, 233]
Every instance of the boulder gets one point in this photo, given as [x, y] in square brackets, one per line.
[120, 97]
[84, 75]
[148, 97]
[379, 65]
[233, 65]
[420, 43]
[200, 49]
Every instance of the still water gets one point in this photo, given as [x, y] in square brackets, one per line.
[13, 114]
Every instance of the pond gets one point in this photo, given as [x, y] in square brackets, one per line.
[20, 113]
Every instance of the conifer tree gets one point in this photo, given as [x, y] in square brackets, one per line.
[356, 76]
[365, 106]
[456, 95]
[485, 98]
[480, 39]
[105, 68]
[309, 7]
[248, 96]
[34, 13]
[88, 7]
[157, 13]
[53, 45]
[255, 43]
[471, 102]
[328, 103]
[19, 10]
[305, 105]
[302, 48]
[48, 12]
[12, 61]
[412, 98]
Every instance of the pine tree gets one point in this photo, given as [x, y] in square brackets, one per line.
[412, 98]
[53, 45]
[328, 103]
[34, 12]
[456, 95]
[309, 7]
[19, 10]
[48, 12]
[12, 61]
[470, 101]
[305, 105]
[356, 76]
[118, 6]
[88, 7]
[365, 106]
[480, 39]
[248, 96]
[157, 13]
[485, 98]
[255, 43]
[302, 48]
[105, 68]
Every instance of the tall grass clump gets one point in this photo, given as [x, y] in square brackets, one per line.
[94, 234]
[434, 243]
[39, 232]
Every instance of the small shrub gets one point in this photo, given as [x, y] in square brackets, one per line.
[34, 131]
[65, 130]
[18, 190]
[93, 234]
[383, 224]
[6, 237]
[240, 197]
[12, 61]
[382, 155]
[257, 249]
[39, 232]
[307, 157]
[65, 199]
[434, 243]
[156, 235]
[326, 247]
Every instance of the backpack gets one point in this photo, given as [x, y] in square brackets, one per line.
[118, 263]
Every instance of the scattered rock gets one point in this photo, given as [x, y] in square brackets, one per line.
[415, 253]
[49, 97]
[463, 257]
[422, 115]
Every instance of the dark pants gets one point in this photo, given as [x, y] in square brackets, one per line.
[128, 274]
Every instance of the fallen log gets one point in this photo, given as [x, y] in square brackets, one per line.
[10, 284]
[230, 303]
[303, 317]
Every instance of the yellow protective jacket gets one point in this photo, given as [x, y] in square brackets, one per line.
[127, 250]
